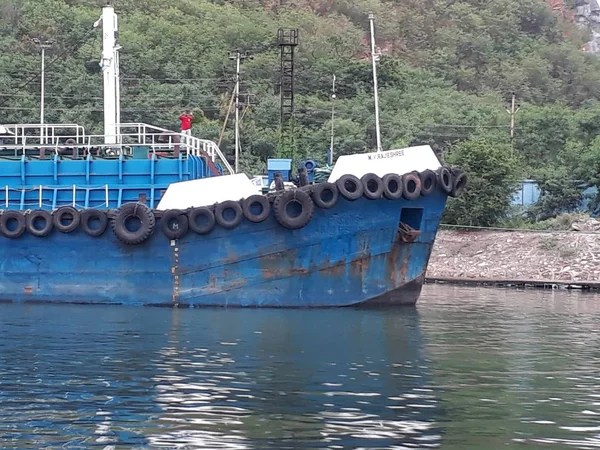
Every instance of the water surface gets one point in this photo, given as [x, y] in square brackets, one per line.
[468, 368]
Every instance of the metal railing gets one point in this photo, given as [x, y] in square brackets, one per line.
[40, 198]
[192, 145]
[57, 138]
[42, 133]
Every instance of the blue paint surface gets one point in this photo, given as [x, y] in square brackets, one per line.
[527, 194]
[283, 166]
[91, 182]
[345, 256]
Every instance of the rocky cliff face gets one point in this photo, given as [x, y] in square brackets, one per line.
[587, 15]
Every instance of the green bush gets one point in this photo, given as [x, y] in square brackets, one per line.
[493, 171]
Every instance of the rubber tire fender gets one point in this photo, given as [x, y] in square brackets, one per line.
[145, 216]
[460, 182]
[428, 180]
[220, 210]
[349, 187]
[319, 191]
[264, 203]
[392, 186]
[411, 186]
[182, 224]
[372, 186]
[39, 214]
[21, 224]
[280, 209]
[59, 214]
[445, 179]
[91, 214]
[193, 216]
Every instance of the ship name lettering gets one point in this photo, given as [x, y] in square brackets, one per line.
[393, 154]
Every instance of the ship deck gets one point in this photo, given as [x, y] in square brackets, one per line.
[48, 166]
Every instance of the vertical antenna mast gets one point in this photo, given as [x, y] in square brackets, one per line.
[330, 159]
[117, 87]
[110, 70]
[373, 59]
[237, 113]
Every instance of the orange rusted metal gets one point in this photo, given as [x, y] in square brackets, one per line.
[407, 234]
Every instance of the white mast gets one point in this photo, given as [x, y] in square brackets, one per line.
[237, 112]
[330, 159]
[373, 59]
[117, 88]
[109, 64]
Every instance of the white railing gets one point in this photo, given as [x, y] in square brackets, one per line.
[192, 145]
[40, 198]
[42, 133]
[73, 136]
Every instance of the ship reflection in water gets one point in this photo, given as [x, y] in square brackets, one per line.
[280, 380]
[469, 368]
[156, 378]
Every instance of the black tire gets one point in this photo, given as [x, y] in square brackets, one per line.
[252, 202]
[445, 179]
[460, 182]
[392, 186]
[372, 186]
[174, 224]
[90, 215]
[20, 227]
[66, 219]
[284, 216]
[428, 180]
[129, 211]
[204, 228]
[325, 195]
[411, 186]
[350, 187]
[238, 214]
[32, 220]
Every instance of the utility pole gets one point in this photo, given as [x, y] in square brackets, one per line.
[513, 112]
[373, 60]
[238, 57]
[226, 119]
[43, 45]
[247, 104]
[330, 159]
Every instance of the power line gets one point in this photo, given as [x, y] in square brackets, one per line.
[67, 50]
[150, 78]
[175, 107]
[132, 99]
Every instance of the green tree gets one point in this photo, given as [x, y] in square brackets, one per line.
[493, 169]
[446, 73]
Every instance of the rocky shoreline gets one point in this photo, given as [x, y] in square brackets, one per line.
[538, 257]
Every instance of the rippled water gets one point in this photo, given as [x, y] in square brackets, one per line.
[469, 368]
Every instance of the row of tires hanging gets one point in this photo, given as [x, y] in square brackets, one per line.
[133, 223]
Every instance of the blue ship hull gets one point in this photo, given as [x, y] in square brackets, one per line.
[348, 255]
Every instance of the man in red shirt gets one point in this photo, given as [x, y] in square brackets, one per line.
[186, 123]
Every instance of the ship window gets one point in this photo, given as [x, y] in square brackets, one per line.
[412, 217]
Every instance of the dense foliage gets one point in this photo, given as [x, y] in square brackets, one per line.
[447, 74]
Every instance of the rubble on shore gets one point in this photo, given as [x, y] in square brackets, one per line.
[534, 255]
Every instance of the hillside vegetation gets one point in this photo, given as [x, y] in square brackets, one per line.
[448, 70]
